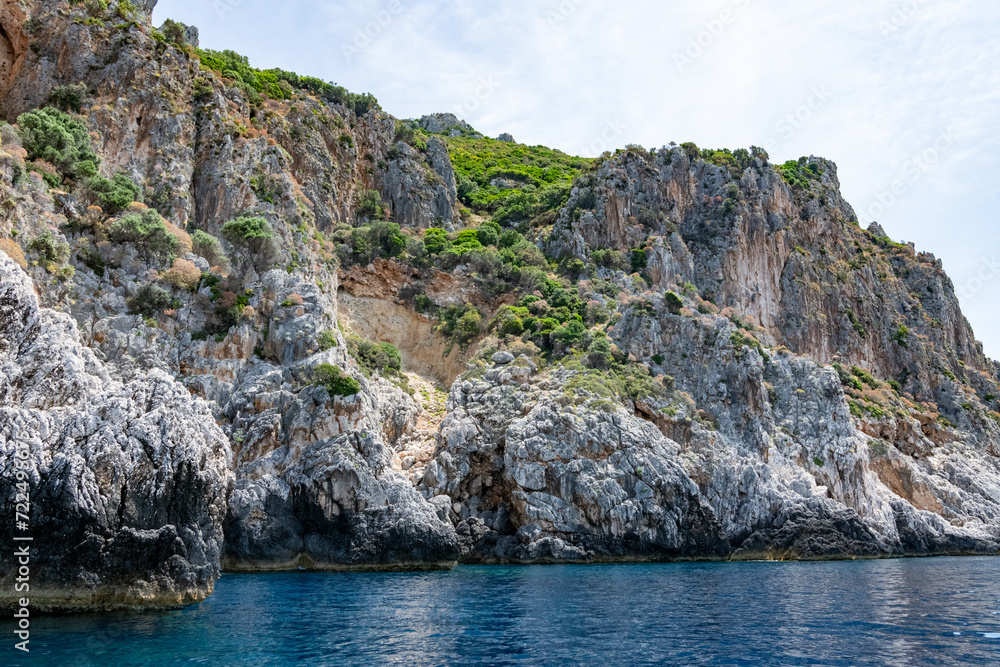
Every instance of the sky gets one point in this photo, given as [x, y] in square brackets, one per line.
[904, 95]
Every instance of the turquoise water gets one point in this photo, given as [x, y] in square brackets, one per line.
[905, 612]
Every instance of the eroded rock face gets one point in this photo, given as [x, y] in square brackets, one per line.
[316, 487]
[537, 467]
[128, 481]
[529, 476]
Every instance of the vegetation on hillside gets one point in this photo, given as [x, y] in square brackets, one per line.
[280, 85]
[512, 182]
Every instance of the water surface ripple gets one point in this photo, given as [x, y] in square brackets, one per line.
[901, 612]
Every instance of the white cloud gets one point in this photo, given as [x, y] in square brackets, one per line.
[898, 74]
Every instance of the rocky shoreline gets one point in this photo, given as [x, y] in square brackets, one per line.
[254, 327]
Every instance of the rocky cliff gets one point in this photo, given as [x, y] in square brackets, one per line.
[422, 345]
[128, 480]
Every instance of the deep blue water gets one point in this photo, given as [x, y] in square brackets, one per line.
[903, 612]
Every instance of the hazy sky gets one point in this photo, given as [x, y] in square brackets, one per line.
[902, 94]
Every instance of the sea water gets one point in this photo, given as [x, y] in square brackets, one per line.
[897, 612]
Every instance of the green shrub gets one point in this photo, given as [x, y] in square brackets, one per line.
[370, 205]
[371, 357]
[461, 324]
[674, 303]
[114, 195]
[571, 334]
[611, 259]
[538, 180]
[489, 233]
[267, 188]
[411, 135]
[469, 326]
[599, 352]
[436, 240]
[69, 98]
[467, 241]
[49, 248]
[856, 323]
[147, 232]
[798, 174]
[378, 239]
[150, 300]
[56, 137]
[865, 377]
[736, 162]
[207, 246]
[174, 32]
[510, 239]
[691, 150]
[327, 340]
[902, 336]
[336, 382]
[422, 303]
[639, 260]
[255, 236]
[233, 66]
[575, 268]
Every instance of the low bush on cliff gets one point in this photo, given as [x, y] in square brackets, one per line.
[902, 336]
[461, 324]
[69, 98]
[149, 300]
[362, 245]
[49, 249]
[208, 247]
[148, 232]
[336, 382]
[370, 206]
[799, 173]
[13, 250]
[736, 162]
[114, 195]
[57, 138]
[371, 357]
[254, 236]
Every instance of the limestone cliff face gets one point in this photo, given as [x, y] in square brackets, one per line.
[813, 389]
[792, 260]
[128, 480]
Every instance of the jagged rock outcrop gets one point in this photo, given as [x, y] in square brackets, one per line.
[315, 483]
[420, 188]
[782, 472]
[530, 476]
[128, 481]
